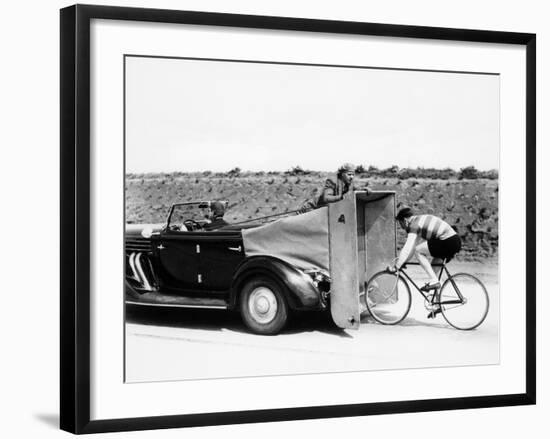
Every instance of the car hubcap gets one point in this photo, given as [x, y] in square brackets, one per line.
[262, 305]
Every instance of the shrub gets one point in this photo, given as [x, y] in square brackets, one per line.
[392, 171]
[468, 173]
[373, 171]
[297, 170]
[235, 172]
[446, 173]
[406, 173]
[491, 174]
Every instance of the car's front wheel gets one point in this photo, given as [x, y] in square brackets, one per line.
[263, 306]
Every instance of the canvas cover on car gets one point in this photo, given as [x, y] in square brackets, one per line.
[351, 239]
[300, 240]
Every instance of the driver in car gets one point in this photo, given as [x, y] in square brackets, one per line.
[217, 211]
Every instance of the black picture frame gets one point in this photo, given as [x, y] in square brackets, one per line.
[75, 217]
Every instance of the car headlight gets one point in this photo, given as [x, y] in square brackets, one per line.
[320, 278]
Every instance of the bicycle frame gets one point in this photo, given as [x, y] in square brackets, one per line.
[444, 268]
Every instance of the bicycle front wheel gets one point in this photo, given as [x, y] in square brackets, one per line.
[388, 298]
[464, 301]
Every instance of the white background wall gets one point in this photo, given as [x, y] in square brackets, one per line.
[29, 203]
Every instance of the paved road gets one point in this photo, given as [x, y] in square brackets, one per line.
[164, 344]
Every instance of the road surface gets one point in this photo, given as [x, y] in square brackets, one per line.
[175, 344]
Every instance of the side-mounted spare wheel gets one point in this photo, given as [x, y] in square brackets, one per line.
[263, 306]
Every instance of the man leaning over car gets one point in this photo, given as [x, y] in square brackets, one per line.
[334, 191]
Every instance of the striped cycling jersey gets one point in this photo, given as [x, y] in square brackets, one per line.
[430, 227]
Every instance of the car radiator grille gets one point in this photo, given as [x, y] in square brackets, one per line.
[138, 244]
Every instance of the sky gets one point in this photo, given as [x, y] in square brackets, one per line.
[196, 115]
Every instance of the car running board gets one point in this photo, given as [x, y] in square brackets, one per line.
[159, 299]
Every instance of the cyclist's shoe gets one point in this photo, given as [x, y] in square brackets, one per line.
[434, 312]
[431, 286]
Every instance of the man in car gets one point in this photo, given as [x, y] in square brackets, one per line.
[333, 191]
[217, 211]
[428, 236]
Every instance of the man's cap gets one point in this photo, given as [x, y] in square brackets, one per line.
[346, 167]
[217, 208]
[403, 213]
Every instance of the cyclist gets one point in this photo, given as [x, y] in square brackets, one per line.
[428, 235]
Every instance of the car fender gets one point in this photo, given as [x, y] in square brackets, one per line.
[130, 286]
[297, 286]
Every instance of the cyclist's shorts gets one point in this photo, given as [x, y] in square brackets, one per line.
[446, 248]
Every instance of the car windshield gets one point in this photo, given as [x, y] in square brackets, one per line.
[193, 211]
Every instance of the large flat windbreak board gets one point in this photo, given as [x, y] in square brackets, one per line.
[344, 295]
[380, 232]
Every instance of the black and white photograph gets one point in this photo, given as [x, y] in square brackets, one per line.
[281, 216]
[270, 219]
[293, 219]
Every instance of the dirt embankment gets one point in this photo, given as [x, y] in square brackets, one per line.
[469, 205]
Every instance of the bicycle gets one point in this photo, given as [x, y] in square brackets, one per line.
[462, 299]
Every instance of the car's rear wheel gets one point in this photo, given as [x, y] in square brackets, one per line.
[263, 306]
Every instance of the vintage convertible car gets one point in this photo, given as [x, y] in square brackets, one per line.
[265, 270]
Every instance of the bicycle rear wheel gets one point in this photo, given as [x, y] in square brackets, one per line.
[473, 297]
[388, 298]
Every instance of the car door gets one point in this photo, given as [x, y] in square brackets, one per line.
[178, 256]
[220, 254]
